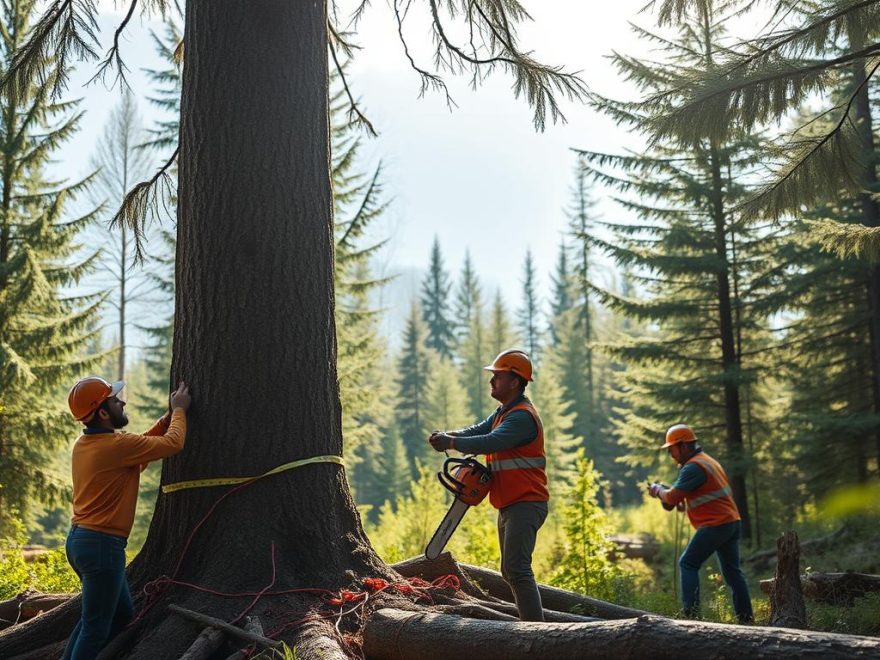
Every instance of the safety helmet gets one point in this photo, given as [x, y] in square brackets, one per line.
[89, 393]
[678, 434]
[512, 360]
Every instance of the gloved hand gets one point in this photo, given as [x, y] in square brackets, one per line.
[654, 490]
[440, 441]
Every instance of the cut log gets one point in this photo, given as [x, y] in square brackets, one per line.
[486, 584]
[634, 546]
[392, 634]
[208, 641]
[834, 588]
[551, 616]
[787, 601]
[51, 651]
[476, 611]
[27, 605]
[551, 597]
[431, 569]
[228, 628]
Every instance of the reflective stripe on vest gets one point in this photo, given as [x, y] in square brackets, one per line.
[712, 502]
[518, 475]
[519, 463]
[708, 497]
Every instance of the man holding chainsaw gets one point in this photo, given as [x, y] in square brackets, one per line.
[512, 438]
[703, 486]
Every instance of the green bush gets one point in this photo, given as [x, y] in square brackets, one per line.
[48, 573]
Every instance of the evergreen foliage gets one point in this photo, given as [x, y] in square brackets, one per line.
[44, 331]
[473, 353]
[585, 565]
[436, 312]
[413, 367]
[501, 334]
[529, 312]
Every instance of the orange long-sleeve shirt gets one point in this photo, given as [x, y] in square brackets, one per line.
[106, 472]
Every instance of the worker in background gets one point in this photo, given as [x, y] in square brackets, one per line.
[106, 468]
[705, 489]
[512, 438]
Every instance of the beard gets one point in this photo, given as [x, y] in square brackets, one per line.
[119, 420]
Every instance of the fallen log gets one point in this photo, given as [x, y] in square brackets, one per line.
[27, 605]
[634, 546]
[551, 597]
[835, 588]
[431, 569]
[391, 634]
[817, 544]
[551, 616]
[486, 584]
[787, 601]
[51, 651]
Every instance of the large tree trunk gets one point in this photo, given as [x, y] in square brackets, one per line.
[254, 332]
[394, 634]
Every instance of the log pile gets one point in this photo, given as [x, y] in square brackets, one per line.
[634, 546]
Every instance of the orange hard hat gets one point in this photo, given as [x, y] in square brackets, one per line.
[89, 393]
[514, 361]
[679, 433]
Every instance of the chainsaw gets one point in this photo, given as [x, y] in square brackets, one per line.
[469, 482]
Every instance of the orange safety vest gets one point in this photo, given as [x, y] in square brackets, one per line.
[712, 503]
[518, 475]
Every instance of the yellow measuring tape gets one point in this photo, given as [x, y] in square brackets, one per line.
[232, 481]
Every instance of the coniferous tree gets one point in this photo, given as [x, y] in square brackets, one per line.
[529, 312]
[563, 289]
[472, 340]
[560, 442]
[44, 331]
[702, 267]
[413, 366]
[436, 312]
[446, 404]
[501, 334]
[120, 162]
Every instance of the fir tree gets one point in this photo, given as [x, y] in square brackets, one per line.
[436, 289]
[413, 368]
[704, 271]
[560, 443]
[44, 332]
[530, 310]
[563, 289]
[472, 341]
[446, 405]
[501, 335]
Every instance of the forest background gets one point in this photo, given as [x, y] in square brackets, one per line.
[626, 319]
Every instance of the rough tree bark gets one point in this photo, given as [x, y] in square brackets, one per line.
[254, 331]
[787, 601]
[394, 634]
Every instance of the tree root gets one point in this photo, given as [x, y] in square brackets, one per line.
[317, 640]
[52, 626]
[391, 634]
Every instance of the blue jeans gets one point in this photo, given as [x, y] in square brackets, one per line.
[99, 561]
[723, 540]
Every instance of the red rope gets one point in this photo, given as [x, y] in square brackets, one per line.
[412, 586]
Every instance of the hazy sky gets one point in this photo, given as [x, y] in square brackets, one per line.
[479, 176]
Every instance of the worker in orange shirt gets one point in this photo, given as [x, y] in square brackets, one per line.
[106, 467]
[704, 488]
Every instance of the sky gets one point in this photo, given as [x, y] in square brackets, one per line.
[479, 177]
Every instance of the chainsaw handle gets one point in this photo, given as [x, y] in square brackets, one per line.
[449, 482]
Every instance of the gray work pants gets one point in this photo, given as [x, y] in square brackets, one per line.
[518, 526]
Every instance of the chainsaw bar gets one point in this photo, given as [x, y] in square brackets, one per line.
[447, 527]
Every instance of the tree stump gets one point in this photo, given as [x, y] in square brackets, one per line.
[786, 599]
